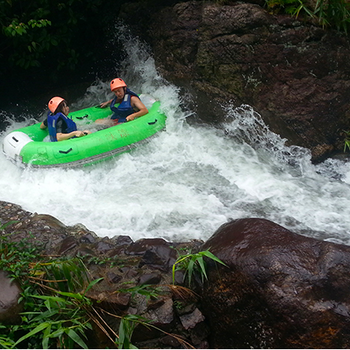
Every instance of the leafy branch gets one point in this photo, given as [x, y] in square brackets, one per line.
[192, 263]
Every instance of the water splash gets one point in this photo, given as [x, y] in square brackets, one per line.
[190, 179]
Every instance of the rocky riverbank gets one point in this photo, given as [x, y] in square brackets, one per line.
[277, 290]
[291, 71]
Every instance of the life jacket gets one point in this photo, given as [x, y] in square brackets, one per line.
[52, 120]
[125, 108]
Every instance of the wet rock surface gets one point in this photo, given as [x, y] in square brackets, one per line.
[9, 295]
[281, 290]
[292, 72]
[278, 290]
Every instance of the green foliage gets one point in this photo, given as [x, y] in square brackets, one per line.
[61, 318]
[96, 260]
[16, 28]
[333, 13]
[66, 275]
[288, 6]
[27, 30]
[127, 326]
[330, 13]
[347, 140]
[44, 31]
[16, 258]
[291, 7]
[57, 312]
[193, 263]
[6, 342]
[147, 290]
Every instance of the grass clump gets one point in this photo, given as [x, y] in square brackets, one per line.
[327, 13]
[57, 312]
[194, 263]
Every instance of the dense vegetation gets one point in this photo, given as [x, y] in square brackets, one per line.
[57, 310]
[327, 13]
[61, 34]
[49, 43]
[53, 33]
[52, 43]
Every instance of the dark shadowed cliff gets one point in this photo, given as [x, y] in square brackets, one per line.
[294, 73]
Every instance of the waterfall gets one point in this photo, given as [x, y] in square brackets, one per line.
[188, 180]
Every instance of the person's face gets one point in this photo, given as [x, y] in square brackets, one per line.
[119, 92]
[65, 108]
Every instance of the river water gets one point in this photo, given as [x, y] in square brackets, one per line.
[190, 179]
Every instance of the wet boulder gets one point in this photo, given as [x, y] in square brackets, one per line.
[156, 252]
[280, 289]
[292, 71]
[10, 292]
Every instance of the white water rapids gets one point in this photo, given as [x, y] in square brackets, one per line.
[190, 179]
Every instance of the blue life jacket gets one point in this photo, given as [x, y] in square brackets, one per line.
[125, 108]
[52, 124]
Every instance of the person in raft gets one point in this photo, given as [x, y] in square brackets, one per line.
[60, 126]
[130, 105]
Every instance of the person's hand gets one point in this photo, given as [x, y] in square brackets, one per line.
[130, 117]
[79, 133]
[104, 104]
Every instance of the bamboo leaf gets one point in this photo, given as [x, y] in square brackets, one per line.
[57, 333]
[77, 296]
[208, 254]
[122, 334]
[48, 297]
[46, 337]
[44, 315]
[37, 329]
[190, 270]
[202, 266]
[76, 338]
[92, 284]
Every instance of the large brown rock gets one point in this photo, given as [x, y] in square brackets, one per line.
[295, 74]
[10, 292]
[280, 290]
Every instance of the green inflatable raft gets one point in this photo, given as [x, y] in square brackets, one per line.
[28, 145]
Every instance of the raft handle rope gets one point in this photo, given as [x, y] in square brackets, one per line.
[84, 116]
[66, 152]
[151, 123]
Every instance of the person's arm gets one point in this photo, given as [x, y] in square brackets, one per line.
[43, 125]
[142, 110]
[105, 104]
[62, 126]
[60, 136]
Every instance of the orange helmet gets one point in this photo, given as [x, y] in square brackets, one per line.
[117, 83]
[54, 102]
